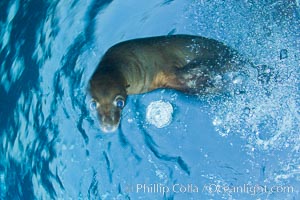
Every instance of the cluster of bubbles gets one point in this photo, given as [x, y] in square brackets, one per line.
[266, 112]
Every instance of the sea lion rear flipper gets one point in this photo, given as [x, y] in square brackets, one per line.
[195, 77]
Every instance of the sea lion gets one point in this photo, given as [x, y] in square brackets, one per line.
[182, 62]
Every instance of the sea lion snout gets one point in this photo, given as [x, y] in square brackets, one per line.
[109, 117]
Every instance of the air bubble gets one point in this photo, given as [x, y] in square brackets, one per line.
[283, 54]
[159, 113]
[217, 121]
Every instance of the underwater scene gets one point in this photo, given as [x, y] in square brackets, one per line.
[241, 144]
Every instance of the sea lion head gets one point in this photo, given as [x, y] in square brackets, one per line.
[108, 99]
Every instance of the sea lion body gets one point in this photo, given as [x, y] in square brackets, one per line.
[181, 62]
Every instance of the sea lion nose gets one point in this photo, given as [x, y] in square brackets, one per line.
[107, 123]
[106, 116]
[107, 119]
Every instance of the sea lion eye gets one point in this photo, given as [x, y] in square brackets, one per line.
[94, 104]
[119, 102]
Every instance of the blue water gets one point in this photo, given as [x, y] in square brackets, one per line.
[52, 146]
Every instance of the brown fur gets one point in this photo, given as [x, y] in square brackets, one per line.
[182, 62]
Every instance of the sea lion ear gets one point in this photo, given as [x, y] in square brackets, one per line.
[126, 88]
